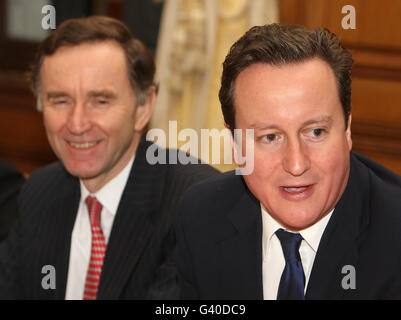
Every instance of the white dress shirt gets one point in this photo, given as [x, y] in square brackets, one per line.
[273, 257]
[81, 240]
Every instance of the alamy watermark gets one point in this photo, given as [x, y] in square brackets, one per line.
[349, 280]
[349, 20]
[49, 20]
[49, 280]
[233, 147]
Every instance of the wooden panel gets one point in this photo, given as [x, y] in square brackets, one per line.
[378, 141]
[376, 101]
[22, 136]
[376, 21]
[292, 11]
[376, 63]
[376, 76]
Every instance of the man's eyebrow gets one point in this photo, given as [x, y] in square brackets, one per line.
[102, 93]
[262, 126]
[324, 119]
[92, 93]
[55, 94]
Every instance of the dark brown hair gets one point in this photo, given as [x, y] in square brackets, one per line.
[277, 44]
[140, 63]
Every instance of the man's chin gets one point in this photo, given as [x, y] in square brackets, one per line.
[82, 172]
[298, 221]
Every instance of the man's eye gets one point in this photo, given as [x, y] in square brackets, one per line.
[60, 101]
[269, 138]
[317, 132]
[102, 101]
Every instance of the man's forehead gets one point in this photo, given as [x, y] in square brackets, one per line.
[88, 45]
[300, 94]
[102, 53]
[98, 65]
[261, 69]
[265, 81]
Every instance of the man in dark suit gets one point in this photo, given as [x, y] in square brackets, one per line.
[11, 181]
[98, 224]
[313, 220]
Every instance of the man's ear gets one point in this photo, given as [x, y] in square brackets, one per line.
[348, 132]
[143, 112]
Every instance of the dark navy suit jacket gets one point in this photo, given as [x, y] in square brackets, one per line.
[219, 239]
[138, 262]
[11, 181]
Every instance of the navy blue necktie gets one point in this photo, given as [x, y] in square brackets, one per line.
[292, 281]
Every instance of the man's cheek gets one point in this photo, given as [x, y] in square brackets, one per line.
[259, 178]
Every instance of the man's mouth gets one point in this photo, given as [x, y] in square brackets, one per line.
[83, 145]
[295, 189]
[299, 192]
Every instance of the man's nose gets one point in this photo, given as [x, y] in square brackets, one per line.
[296, 160]
[78, 121]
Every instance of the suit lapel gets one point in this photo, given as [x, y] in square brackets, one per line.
[339, 244]
[133, 225]
[60, 224]
[240, 250]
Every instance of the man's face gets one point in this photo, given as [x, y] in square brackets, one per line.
[301, 147]
[89, 109]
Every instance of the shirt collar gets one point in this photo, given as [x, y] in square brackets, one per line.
[110, 194]
[311, 235]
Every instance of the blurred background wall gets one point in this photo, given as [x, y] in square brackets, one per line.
[190, 39]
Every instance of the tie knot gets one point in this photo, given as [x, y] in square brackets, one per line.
[290, 243]
[94, 209]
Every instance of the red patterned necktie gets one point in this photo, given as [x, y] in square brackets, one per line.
[98, 249]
